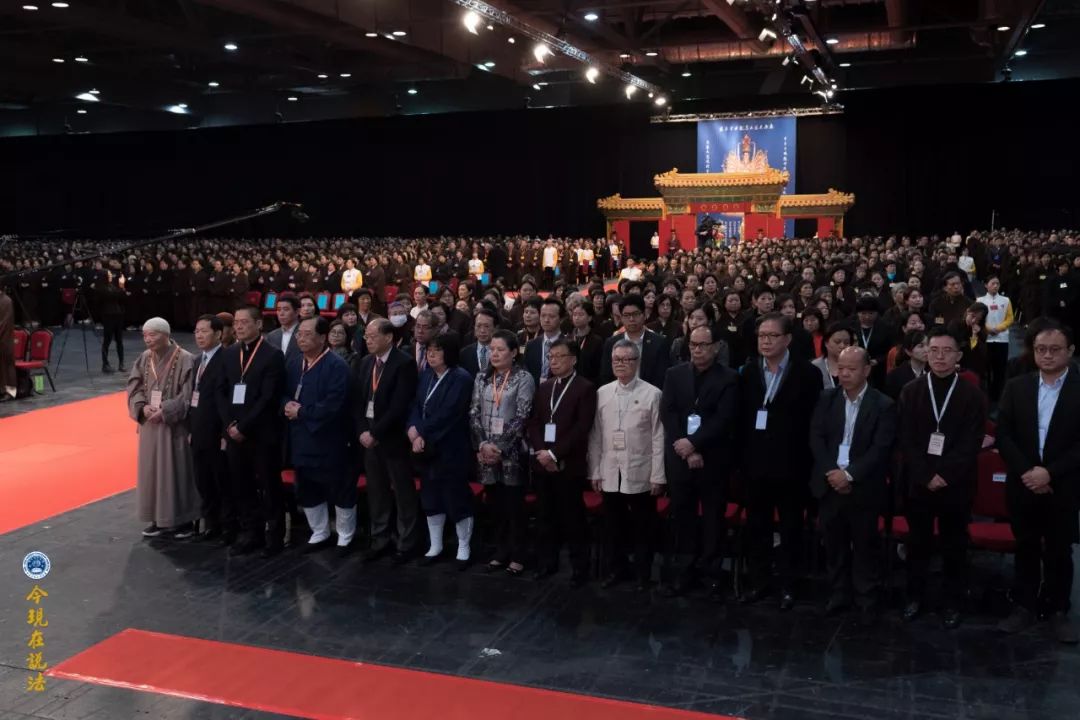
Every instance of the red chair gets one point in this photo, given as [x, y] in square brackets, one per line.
[22, 340]
[253, 297]
[995, 534]
[67, 296]
[40, 352]
[391, 293]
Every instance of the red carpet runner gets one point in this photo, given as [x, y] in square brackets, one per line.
[323, 688]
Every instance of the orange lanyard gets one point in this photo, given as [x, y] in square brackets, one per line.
[375, 378]
[304, 370]
[244, 366]
[168, 365]
[496, 391]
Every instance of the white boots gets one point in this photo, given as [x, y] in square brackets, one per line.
[464, 529]
[436, 524]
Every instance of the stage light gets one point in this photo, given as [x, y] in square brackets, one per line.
[624, 56]
[766, 34]
[293, 98]
[660, 101]
[489, 64]
[1021, 53]
[536, 86]
[832, 41]
[471, 21]
[829, 93]
[1038, 26]
[58, 60]
[591, 16]
[95, 91]
[182, 106]
[511, 40]
[541, 51]
[490, 26]
[1004, 28]
[399, 33]
[31, 8]
[82, 59]
[81, 111]
[650, 96]
[787, 60]
[346, 75]
[686, 73]
[60, 5]
[591, 74]
[412, 91]
[88, 97]
[231, 47]
[845, 64]
[651, 53]
[483, 67]
[177, 109]
[323, 76]
[630, 90]
[214, 83]
[371, 34]
[806, 79]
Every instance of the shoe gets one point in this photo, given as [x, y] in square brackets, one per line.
[1019, 620]
[544, 573]
[314, 547]
[402, 557]
[429, 560]
[950, 618]
[107, 369]
[152, 531]
[643, 586]
[1064, 629]
[912, 610]
[787, 600]
[868, 617]
[717, 593]
[272, 550]
[209, 535]
[463, 565]
[613, 579]
[515, 571]
[247, 545]
[228, 537]
[494, 566]
[754, 594]
[121, 368]
[183, 532]
[374, 554]
[836, 606]
[578, 579]
[344, 551]
[675, 589]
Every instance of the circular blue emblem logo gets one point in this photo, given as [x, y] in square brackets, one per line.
[36, 565]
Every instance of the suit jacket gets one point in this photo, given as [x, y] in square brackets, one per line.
[319, 435]
[869, 454]
[534, 358]
[898, 379]
[207, 422]
[716, 403]
[1018, 440]
[258, 418]
[573, 420]
[590, 351]
[468, 360]
[655, 358]
[393, 399]
[274, 338]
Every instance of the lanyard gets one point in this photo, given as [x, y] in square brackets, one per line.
[244, 366]
[202, 368]
[434, 387]
[774, 384]
[304, 370]
[376, 377]
[828, 373]
[933, 400]
[851, 412]
[168, 365]
[496, 391]
[553, 404]
[866, 337]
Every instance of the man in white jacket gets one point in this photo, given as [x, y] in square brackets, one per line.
[626, 464]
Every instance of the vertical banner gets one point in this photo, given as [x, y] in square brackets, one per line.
[748, 145]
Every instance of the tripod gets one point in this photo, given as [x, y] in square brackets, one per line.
[78, 304]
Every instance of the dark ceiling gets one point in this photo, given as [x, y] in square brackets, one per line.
[145, 57]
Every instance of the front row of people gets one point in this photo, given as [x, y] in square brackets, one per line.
[218, 422]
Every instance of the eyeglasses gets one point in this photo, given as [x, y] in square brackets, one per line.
[632, 315]
[560, 356]
[771, 337]
[700, 345]
[941, 352]
[1049, 349]
[623, 360]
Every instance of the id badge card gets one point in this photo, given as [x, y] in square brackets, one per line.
[239, 392]
[370, 414]
[296, 395]
[693, 424]
[762, 420]
[843, 456]
[155, 398]
[618, 440]
[549, 432]
[195, 399]
[496, 426]
[937, 444]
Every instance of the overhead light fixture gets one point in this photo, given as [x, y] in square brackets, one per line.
[845, 64]
[399, 33]
[541, 51]
[346, 75]
[542, 84]
[371, 34]
[293, 98]
[766, 34]
[651, 53]
[591, 74]
[231, 47]
[58, 60]
[624, 56]
[787, 60]
[95, 91]
[511, 40]
[660, 101]
[630, 90]
[60, 5]
[591, 16]
[88, 97]
[536, 86]
[1021, 53]
[471, 20]
[82, 59]
[182, 106]
[323, 76]
[686, 73]
[177, 109]
[31, 8]
[806, 79]
[213, 84]
[412, 91]
[650, 96]
[1038, 26]
[829, 93]
[81, 111]
[490, 26]
[832, 41]
[483, 67]
[1004, 28]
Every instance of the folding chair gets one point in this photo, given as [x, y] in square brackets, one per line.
[40, 352]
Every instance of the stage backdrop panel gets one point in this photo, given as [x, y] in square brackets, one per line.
[747, 145]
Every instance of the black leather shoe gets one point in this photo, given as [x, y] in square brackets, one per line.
[868, 617]
[427, 560]
[272, 550]
[578, 580]
[950, 618]
[375, 553]
[836, 606]
[400, 558]
[314, 547]
[613, 579]
[753, 595]
[912, 610]
[344, 551]
[544, 573]
[209, 535]
[247, 545]
[787, 600]
[717, 592]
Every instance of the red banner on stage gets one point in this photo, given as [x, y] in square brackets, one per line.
[721, 207]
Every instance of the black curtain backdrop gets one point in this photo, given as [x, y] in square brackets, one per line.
[919, 161]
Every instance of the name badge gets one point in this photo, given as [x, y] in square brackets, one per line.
[618, 440]
[549, 432]
[937, 444]
[762, 420]
[843, 454]
[1042, 277]
[370, 414]
[296, 395]
[239, 392]
[732, 328]
[693, 424]
[496, 426]
[195, 399]
[155, 398]
[1063, 285]
[993, 307]
[939, 320]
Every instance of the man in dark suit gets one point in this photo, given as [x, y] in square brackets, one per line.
[254, 378]
[777, 396]
[558, 432]
[476, 356]
[851, 438]
[206, 422]
[283, 337]
[873, 335]
[1039, 437]
[496, 261]
[536, 351]
[699, 409]
[423, 331]
[384, 384]
[942, 420]
[654, 349]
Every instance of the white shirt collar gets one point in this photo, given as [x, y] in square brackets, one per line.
[209, 354]
[1057, 384]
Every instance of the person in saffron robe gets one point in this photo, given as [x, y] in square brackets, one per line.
[158, 393]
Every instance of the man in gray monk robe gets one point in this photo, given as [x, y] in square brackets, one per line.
[159, 393]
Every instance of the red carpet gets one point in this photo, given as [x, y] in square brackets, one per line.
[60, 458]
[323, 688]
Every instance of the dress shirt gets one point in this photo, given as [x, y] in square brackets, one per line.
[771, 377]
[482, 358]
[286, 336]
[851, 412]
[1048, 397]
[545, 367]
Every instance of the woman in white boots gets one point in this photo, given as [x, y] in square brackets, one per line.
[439, 431]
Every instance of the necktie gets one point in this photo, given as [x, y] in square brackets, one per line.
[544, 368]
[421, 357]
[483, 357]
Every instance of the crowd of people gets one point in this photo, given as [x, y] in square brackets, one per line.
[819, 381]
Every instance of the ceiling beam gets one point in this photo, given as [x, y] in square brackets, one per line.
[738, 21]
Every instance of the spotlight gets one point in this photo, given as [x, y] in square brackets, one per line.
[471, 21]
[630, 90]
[1004, 28]
[490, 26]
[591, 16]
[81, 111]
[371, 34]
[60, 5]
[542, 84]
[182, 106]
[511, 40]
[651, 53]
[591, 74]
[766, 34]
[346, 75]
[686, 73]
[177, 110]
[1021, 53]
[787, 60]
[536, 86]
[82, 59]
[829, 93]
[845, 64]
[231, 47]
[541, 51]
[650, 96]
[624, 56]
[30, 8]
[489, 64]
[95, 91]
[399, 33]
[214, 83]
[58, 60]
[88, 97]
[481, 66]
[1038, 26]
[412, 91]
[832, 41]
[293, 98]
[660, 101]
[323, 76]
